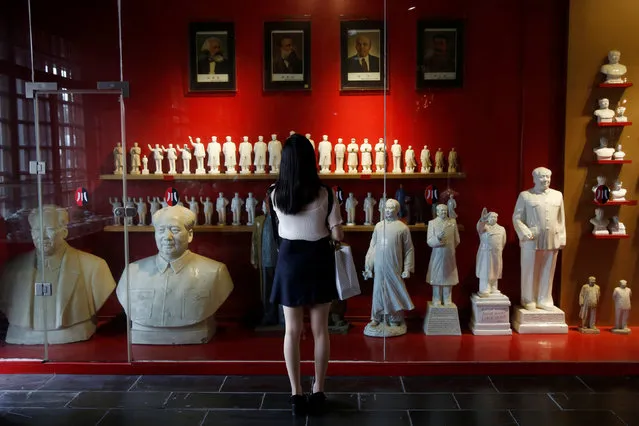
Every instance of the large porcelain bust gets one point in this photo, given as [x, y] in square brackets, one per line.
[175, 293]
[613, 69]
[604, 114]
[81, 283]
[603, 152]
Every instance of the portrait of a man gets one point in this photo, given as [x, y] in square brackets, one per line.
[440, 53]
[211, 56]
[288, 54]
[362, 55]
[366, 57]
[287, 58]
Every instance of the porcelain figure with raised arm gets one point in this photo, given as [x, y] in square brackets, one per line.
[380, 156]
[618, 192]
[220, 206]
[588, 301]
[366, 158]
[340, 153]
[351, 206]
[439, 161]
[230, 156]
[260, 155]
[186, 158]
[396, 151]
[142, 211]
[616, 227]
[410, 162]
[135, 152]
[604, 114]
[171, 155]
[619, 154]
[308, 136]
[208, 210]
[145, 165]
[603, 151]
[199, 153]
[274, 154]
[117, 159]
[116, 204]
[424, 157]
[213, 149]
[154, 203]
[251, 205]
[129, 204]
[194, 207]
[325, 154]
[369, 207]
[453, 163]
[157, 157]
[352, 160]
[246, 151]
[489, 264]
[621, 296]
[613, 70]
[236, 208]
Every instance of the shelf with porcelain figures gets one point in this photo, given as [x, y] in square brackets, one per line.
[268, 176]
[616, 203]
[611, 236]
[615, 124]
[625, 84]
[613, 161]
[421, 227]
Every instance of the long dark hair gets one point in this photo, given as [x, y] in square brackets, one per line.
[298, 183]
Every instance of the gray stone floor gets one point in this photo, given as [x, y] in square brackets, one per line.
[77, 400]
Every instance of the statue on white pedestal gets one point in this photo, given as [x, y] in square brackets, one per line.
[186, 159]
[129, 204]
[194, 207]
[620, 111]
[208, 210]
[246, 150]
[453, 164]
[251, 205]
[220, 206]
[351, 162]
[171, 155]
[588, 301]
[199, 153]
[155, 204]
[380, 156]
[540, 223]
[603, 152]
[618, 192]
[214, 149]
[443, 237]
[236, 208]
[604, 114]
[396, 151]
[351, 206]
[439, 161]
[452, 205]
[369, 205]
[117, 159]
[145, 165]
[325, 148]
[390, 259]
[616, 227]
[410, 162]
[260, 155]
[366, 159]
[599, 223]
[621, 296]
[80, 284]
[135, 152]
[424, 157]
[489, 265]
[274, 154]
[308, 136]
[230, 159]
[619, 154]
[613, 69]
[340, 153]
[158, 157]
[142, 211]
[174, 294]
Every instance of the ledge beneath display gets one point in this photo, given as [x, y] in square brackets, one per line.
[610, 237]
[626, 84]
[617, 203]
[615, 124]
[267, 176]
[613, 161]
[249, 228]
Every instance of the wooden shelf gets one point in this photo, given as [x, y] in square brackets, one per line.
[247, 228]
[611, 237]
[617, 203]
[626, 84]
[267, 176]
[613, 161]
[615, 124]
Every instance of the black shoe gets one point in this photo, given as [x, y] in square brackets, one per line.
[299, 405]
[317, 404]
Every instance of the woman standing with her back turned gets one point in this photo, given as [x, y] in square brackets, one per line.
[305, 272]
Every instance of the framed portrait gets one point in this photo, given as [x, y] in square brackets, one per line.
[362, 55]
[211, 57]
[287, 55]
[440, 54]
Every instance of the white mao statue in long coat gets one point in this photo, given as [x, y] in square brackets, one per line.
[489, 265]
[443, 237]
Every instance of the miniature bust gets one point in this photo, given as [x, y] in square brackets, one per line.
[208, 210]
[601, 191]
[452, 161]
[251, 205]
[117, 159]
[116, 204]
[599, 223]
[369, 205]
[452, 205]
[588, 301]
[604, 114]
[390, 259]
[620, 110]
[194, 207]
[351, 205]
[443, 238]
[186, 159]
[171, 155]
[155, 204]
[214, 149]
[308, 136]
[396, 151]
[489, 263]
[366, 159]
[325, 149]
[619, 154]
[618, 192]
[135, 152]
[81, 284]
[616, 227]
[352, 149]
[410, 161]
[274, 154]
[613, 69]
[603, 152]
[621, 296]
[175, 293]
[230, 159]
[142, 211]
[158, 157]
[246, 150]
[340, 151]
[439, 161]
[380, 156]
[220, 206]
[260, 155]
[199, 153]
[145, 165]
[236, 208]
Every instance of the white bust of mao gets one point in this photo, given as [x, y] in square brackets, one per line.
[174, 294]
[81, 283]
[613, 69]
[604, 114]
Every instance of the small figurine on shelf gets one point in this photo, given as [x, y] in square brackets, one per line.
[424, 157]
[621, 296]
[186, 159]
[351, 162]
[199, 153]
[410, 162]
[380, 156]
[400, 196]
[145, 165]
[452, 205]
[260, 155]
[208, 210]
[142, 211]
[396, 151]
[130, 204]
[195, 208]
[251, 205]
[155, 205]
[489, 263]
[135, 159]
[164, 203]
[274, 154]
[599, 223]
[220, 207]
[452, 161]
[604, 114]
[588, 301]
[351, 205]
[158, 157]
[369, 205]
[116, 204]
[382, 206]
[236, 208]
[214, 149]
[439, 161]
[618, 192]
[603, 152]
[325, 148]
[366, 157]
[117, 159]
[616, 227]
[601, 190]
[443, 238]
[171, 155]
[340, 152]
[308, 136]
[619, 154]
[620, 110]
[246, 150]
[613, 69]
[230, 159]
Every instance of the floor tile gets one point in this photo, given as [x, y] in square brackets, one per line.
[50, 417]
[215, 400]
[334, 402]
[42, 399]
[472, 384]
[407, 401]
[132, 400]
[462, 418]
[597, 401]
[23, 381]
[261, 384]
[612, 383]
[153, 418]
[538, 384]
[253, 418]
[630, 417]
[179, 383]
[72, 382]
[345, 418]
[363, 384]
[567, 418]
[505, 401]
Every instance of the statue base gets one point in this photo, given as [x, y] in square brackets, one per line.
[27, 336]
[490, 315]
[442, 320]
[620, 331]
[195, 334]
[539, 321]
[585, 330]
[385, 330]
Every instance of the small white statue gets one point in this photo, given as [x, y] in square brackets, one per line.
[410, 162]
[453, 164]
[194, 207]
[452, 205]
[621, 296]
[171, 155]
[601, 191]
[236, 208]
[619, 154]
[260, 155]
[599, 223]
[380, 156]
[604, 114]
[117, 159]
[618, 192]
[340, 153]
[214, 149]
[220, 206]
[308, 136]
[588, 301]
[246, 150]
[145, 165]
[424, 157]
[325, 153]
[230, 159]
[603, 152]
[199, 153]
[439, 161]
[620, 110]
[382, 207]
[489, 263]
[369, 205]
[443, 237]
[351, 205]
[366, 159]
[186, 158]
[116, 204]
[155, 204]
[142, 211]
[158, 157]
[130, 204]
[135, 152]
[616, 227]
[274, 154]
[396, 151]
[251, 205]
[208, 210]
[164, 203]
[351, 161]
[613, 69]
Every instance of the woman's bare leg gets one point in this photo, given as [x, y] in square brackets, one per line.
[294, 319]
[319, 325]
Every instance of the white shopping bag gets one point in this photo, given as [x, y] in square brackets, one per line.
[345, 273]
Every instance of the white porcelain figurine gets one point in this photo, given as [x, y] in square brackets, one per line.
[142, 211]
[424, 157]
[186, 159]
[380, 156]
[116, 204]
[351, 207]
[613, 69]
[194, 207]
[145, 165]
[616, 227]
[214, 149]
[308, 136]
[439, 161]
[351, 161]
[621, 296]
[410, 162]
[129, 204]
[158, 157]
[396, 151]
[246, 150]
[366, 157]
[618, 192]
[199, 153]
[340, 153]
[443, 238]
[155, 204]
[251, 205]
[135, 152]
[325, 153]
[588, 301]
[220, 206]
[621, 110]
[260, 155]
[117, 159]
[489, 263]
[230, 156]
[599, 223]
[452, 205]
[619, 154]
[236, 208]
[274, 154]
[171, 155]
[604, 114]
[369, 207]
[208, 210]
[603, 151]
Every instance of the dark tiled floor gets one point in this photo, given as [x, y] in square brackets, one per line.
[353, 401]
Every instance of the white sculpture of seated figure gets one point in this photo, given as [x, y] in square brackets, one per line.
[619, 192]
[620, 117]
[604, 152]
[175, 293]
[81, 283]
[619, 154]
[599, 223]
[604, 114]
[616, 227]
[613, 69]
